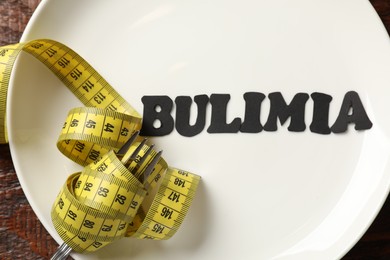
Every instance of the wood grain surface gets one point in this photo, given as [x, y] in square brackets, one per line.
[21, 234]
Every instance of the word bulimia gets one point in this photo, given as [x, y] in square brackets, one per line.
[159, 108]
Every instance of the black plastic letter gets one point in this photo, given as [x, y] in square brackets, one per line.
[218, 115]
[251, 122]
[183, 108]
[351, 111]
[320, 123]
[157, 108]
[279, 109]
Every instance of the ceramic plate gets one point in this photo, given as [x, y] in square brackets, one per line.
[267, 195]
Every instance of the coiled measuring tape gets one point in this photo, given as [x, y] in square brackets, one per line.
[107, 200]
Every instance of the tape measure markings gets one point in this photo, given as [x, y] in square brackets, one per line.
[94, 125]
[9, 54]
[121, 201]
[151, 226]
[123, 204]
[79, 69]
[83, 220]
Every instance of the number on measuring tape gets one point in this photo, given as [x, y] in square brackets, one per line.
[107, 200]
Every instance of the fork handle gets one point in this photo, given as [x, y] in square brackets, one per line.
[62, 252]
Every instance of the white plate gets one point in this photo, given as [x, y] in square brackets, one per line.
[271, 195]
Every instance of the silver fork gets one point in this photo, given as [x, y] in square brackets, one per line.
[64, 250]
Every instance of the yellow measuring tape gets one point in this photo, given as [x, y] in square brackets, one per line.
[108, 200]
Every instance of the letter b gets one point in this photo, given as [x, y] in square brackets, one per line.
[157, 108]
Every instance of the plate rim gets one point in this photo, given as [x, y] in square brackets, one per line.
[31, 24]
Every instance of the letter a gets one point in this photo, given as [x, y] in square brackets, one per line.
[351, 111]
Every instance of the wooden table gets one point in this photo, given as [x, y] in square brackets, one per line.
[21, 234]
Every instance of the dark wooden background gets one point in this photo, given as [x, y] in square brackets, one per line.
[21, 234]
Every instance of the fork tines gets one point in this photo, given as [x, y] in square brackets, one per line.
[129, 156]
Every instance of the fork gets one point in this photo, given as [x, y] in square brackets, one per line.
[128, 157]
